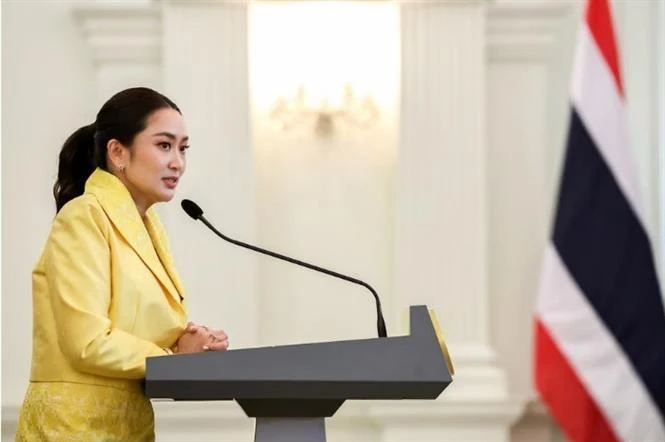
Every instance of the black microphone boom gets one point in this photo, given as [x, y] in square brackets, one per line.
[193, 210]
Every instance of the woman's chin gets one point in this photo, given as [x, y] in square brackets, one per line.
[165, 196]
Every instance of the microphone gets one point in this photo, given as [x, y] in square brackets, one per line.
[193, 210]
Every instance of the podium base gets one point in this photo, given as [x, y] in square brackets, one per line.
[290, 429]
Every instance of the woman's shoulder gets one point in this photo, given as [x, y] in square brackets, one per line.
[85, 209]
[82, 217]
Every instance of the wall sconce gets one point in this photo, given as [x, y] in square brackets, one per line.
[359, 112]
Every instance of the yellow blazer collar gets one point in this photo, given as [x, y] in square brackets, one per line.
[146, 236]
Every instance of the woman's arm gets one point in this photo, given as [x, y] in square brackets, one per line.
[77, 264]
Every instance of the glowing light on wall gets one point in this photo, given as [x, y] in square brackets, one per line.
[320, 62]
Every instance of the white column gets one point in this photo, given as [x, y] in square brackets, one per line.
[441, 227]
[195, 53]
[205, 73]
[527, 112]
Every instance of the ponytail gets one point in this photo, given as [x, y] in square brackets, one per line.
[76, 163]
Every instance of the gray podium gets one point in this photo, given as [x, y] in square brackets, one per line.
[291, 389]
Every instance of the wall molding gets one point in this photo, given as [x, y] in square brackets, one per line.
[515, 31]
[125, 34]
[524, 31]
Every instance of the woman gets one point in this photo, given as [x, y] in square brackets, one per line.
[106, 295]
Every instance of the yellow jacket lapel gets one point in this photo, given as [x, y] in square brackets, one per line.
[158, 235]
[121, 210]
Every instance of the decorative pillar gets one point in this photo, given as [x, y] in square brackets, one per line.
[529, 54]
[167, 46]
[206, 72]
[441, 232]
[196, 53]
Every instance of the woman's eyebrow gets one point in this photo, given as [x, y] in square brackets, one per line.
[169, 135]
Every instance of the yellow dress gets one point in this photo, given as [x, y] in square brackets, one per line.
[68, 412]
[105, 296]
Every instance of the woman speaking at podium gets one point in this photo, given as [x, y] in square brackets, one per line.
[106, 294]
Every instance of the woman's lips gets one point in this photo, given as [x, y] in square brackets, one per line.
[171, 182]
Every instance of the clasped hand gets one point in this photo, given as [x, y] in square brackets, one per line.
[196, 338]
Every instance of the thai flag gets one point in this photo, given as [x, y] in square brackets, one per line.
[600, 321]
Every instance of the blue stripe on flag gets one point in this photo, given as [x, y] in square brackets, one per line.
[607, 252]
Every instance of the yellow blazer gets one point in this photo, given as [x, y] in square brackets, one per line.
[106, 294]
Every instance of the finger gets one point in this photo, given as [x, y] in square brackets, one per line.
[213, 338]
[203, 334]
[219, 334]
[217, 338]
[191, 327]
[219, 345]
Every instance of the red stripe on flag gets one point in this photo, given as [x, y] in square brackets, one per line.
[569, 402]
[599, 19]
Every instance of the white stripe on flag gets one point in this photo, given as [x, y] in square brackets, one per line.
[601, 109]
[594, 355]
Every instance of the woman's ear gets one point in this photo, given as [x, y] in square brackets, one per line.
[118, 155]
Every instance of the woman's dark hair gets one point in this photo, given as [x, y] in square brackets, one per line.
[122, 117]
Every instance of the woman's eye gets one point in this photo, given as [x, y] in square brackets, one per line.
[165, 145]
[184, 148]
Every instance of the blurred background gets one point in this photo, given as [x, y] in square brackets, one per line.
[414, 145]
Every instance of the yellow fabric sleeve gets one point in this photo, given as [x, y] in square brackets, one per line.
[77, 264]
